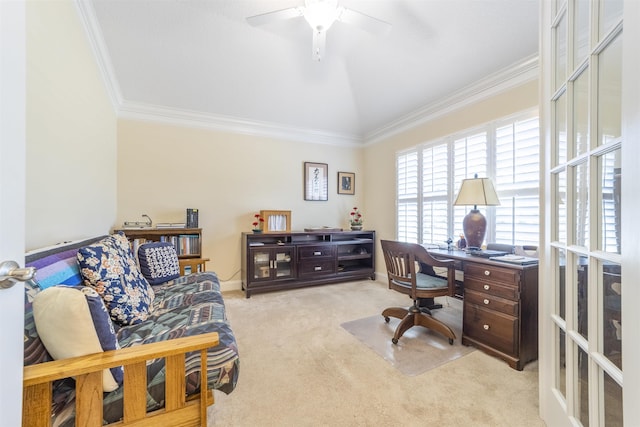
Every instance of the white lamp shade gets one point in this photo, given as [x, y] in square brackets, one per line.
[477, 192]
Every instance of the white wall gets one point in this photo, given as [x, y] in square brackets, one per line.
[70, 131]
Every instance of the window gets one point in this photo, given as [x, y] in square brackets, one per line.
[430, 175]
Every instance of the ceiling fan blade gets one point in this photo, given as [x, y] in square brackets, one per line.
[319, 39]
[278, 15]
[368, 23]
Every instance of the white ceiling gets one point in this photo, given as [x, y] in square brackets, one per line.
[201, 59]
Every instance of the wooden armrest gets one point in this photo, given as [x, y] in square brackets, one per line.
[87, 371]
[193, 263]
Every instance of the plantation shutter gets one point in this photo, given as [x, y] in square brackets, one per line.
[435, 186]
[407, 167]
[517, 182]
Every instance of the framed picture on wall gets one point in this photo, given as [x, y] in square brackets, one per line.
[316, 181]
[346, 183]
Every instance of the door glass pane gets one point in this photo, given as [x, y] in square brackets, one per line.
[582, 391]
[561, 51]
[610, 14]
[582, 310]
[283, 263]
[581, 205]
[581, 114]
[561, 379]
[581, 32]
[261, 261]
[612, 312]
[612, 402]
[610, 193]
[561, 276]
[610, 92]
[561, 207]
[561, 130]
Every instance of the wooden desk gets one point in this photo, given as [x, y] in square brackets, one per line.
[500, 306]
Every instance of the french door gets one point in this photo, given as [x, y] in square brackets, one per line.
[590, 172]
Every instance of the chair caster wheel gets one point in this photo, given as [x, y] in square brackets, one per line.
[450, 341]
[393, 340]
[386, 319]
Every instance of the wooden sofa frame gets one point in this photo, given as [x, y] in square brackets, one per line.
[87, 370]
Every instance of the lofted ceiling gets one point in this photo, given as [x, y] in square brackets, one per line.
[201, 60]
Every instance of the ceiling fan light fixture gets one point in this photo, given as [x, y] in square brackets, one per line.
[321, 14]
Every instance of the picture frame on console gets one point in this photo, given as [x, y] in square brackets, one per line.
[346, 183]
[316, 181]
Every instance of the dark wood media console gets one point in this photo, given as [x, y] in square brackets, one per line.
[275, 261]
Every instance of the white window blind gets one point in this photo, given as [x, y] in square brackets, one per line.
[517, 180]
[435, 190]
[407, 179]
[429, 177]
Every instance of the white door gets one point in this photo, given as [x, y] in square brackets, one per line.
[590, 341]
[12, 203]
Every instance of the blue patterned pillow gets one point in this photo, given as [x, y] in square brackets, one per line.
[110, 268]
[158, 262]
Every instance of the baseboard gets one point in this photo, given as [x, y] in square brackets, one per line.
[231, 285]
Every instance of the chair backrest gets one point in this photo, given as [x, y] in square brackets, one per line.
[401, 258]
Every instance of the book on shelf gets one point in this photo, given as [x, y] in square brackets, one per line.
[171, 225]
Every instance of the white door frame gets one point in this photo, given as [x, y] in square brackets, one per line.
[12, 201]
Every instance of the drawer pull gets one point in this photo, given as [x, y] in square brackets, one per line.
[317, 268]
[486, 327]
[487, 272]
[317, 253]
[486, 301]
[486, 287]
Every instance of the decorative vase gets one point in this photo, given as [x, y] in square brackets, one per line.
[356, 227]
[257, 231]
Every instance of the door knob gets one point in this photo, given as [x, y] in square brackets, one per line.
[10, 272]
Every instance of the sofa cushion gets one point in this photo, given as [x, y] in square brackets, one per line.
[110, 268]
[158, 262]
[73, 321]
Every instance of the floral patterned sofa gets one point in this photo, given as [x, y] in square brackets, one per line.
[148, 358]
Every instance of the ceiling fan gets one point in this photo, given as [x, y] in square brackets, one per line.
[321, 14]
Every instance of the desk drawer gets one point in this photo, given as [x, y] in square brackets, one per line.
[311, 267]
[491, 273]
[494, 329]
[490, 288]
[492, 302]
[316, 251]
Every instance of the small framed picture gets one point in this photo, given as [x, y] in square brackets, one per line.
[346, 183]
[316, 181]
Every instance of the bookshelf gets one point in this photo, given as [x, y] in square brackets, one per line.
[187, 241]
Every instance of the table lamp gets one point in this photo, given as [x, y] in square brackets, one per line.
[476, 192]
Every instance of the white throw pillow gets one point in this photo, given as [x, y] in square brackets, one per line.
[65, 326]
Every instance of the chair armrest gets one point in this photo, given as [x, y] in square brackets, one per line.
[87, 370]
[422, 255]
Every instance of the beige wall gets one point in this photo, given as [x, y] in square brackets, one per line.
[379, 158]
[164, 169]
[70, 131]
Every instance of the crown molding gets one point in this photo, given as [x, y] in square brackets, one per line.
[156, 113]
[516, 75]
[98, 47]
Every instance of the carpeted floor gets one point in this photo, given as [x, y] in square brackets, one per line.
[299, 367]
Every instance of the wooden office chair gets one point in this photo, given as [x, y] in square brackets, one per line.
[400, 259]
